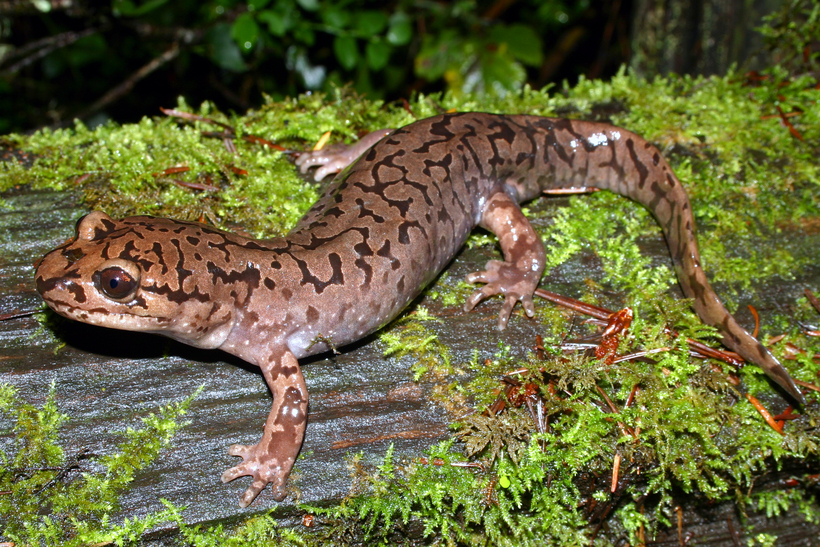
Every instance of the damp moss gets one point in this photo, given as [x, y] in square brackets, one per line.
[54, 498]
[686, 431]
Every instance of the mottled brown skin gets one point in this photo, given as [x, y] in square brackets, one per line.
[385, 227]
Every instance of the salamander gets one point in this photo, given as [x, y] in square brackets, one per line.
[386, 225]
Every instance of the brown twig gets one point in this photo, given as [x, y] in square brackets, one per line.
[259, 140]
[733, 532]
[440, 462]
[785, 121]
[641, 531]
[703, 350]
[540, 351]
[629, 400]
[787, 115]
[756, 331]
[616, 467]
[625, 429]
[608, 401]
[227, 135]
[775, 339]
[603, 315]
[812, 387]
[172, 112]
[765, 413]
[41, 48]
[406, 105]
[786, 415]
[679, 512]
[639, 354]
[195, 185]
[575, 305]
[172, 171]
[126, 85]
[812, 299]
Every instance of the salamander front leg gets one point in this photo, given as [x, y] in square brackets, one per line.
[332, 159]
[271, 459]
[518, 275]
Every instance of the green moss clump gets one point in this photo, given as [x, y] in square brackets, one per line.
[261, 531]
[686, 430]
[49, 499]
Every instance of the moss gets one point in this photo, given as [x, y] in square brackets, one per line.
[409, 336]
[262, 530]
[685, 430]
[50, 498]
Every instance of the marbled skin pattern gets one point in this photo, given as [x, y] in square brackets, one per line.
[383, 229]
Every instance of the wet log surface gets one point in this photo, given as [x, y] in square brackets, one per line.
[360, 401]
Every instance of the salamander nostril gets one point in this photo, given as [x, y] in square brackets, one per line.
[72, 255]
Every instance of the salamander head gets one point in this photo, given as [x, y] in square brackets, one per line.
[139, 274]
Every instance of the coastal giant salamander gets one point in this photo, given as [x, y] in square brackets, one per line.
[383, 229]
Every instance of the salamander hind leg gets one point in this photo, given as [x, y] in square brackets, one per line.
[271, 459]
[517, 277]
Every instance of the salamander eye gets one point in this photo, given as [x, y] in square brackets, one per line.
[119, 280]
[116, 283]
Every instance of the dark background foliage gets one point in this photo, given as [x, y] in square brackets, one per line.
[122, 59]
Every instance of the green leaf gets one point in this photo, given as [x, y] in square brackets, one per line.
[278, 22]
[245, 30]
[129, 9]
[303, 33]
[42, 5]
[377, 54]
[335, 17]
[346, 51]
[309, 5]
[258, 4]
[501, 73]
[223, 50]
[123, 7]
[400, 30]
[440, 54]
[369, 23]
[521, 40]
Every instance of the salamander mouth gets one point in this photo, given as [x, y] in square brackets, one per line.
[105, 318]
